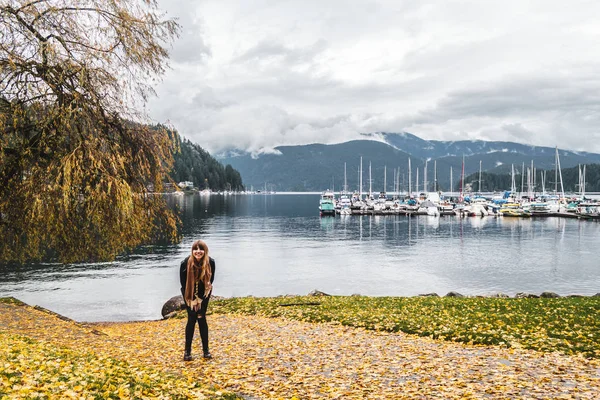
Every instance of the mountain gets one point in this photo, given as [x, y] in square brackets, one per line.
[316, 167]
[436, 148]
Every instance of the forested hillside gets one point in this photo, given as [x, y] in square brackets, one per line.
[193, 163]
[316, 167]
[497, 182]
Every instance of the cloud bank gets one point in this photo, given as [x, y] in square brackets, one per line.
[255, 76]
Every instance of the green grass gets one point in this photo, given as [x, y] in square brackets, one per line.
[11, 300]
[568, 325]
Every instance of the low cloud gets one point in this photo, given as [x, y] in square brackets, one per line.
[519, 133]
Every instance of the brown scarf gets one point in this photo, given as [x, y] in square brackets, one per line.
[195, 273]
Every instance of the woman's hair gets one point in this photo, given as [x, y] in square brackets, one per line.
[197, 270]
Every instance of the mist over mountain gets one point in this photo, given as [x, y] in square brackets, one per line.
[316, 167]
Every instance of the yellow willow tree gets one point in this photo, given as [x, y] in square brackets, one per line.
[75, 170]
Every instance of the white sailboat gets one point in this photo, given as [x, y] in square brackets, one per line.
[343, 205]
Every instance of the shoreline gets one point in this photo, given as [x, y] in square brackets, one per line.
[315, 293]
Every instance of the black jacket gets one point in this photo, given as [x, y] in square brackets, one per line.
[183, 277]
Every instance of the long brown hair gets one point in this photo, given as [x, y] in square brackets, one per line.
[197, 271]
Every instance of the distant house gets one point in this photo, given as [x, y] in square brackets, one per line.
[169, 187]
[186, 185]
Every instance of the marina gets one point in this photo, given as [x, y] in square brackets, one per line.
[439, 205]
[534, 202]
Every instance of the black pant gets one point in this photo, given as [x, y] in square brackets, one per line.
[200, 317]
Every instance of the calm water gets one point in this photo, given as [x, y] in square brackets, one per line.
[269, 245]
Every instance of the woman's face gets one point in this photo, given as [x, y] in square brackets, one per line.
[198, 253]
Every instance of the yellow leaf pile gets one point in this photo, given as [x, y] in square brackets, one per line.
[271, 358]
[32, 369]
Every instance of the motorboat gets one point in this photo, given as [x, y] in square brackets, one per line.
[326, 203]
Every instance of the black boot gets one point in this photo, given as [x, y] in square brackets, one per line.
[187, 355]
[207, 354]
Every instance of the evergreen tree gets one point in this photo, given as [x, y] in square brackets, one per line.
[194, 164]
[499, 182]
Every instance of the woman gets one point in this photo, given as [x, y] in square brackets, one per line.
[197, 273]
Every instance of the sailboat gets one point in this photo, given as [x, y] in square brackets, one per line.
[556, 203]
[357, 201]
[343, 204]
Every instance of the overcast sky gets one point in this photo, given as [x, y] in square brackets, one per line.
[258, 74]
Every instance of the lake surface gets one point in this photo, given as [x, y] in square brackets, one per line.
[270, 245]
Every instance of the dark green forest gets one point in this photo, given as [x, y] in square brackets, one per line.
[491, 182]
[194, 164]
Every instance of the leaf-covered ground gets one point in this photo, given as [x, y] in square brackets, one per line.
[261, 357]
[570, 325]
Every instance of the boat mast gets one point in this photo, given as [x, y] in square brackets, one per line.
[451, 187]
[513, 184]
[583, 184]
[529, 183]
[417, 183]
[522, 177]
[562, 189]
[360, 179]
[345, 181]
[462, 178]
[409, 178]
[582, 181]
[385, 179]
[532, 180]
[435, 175]
[370, 182]
[479, 187]
[579, 178]
[425, 177]
[556, 172]
[403, 182]
[543, 177]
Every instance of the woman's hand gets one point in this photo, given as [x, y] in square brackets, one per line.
[207, 290]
